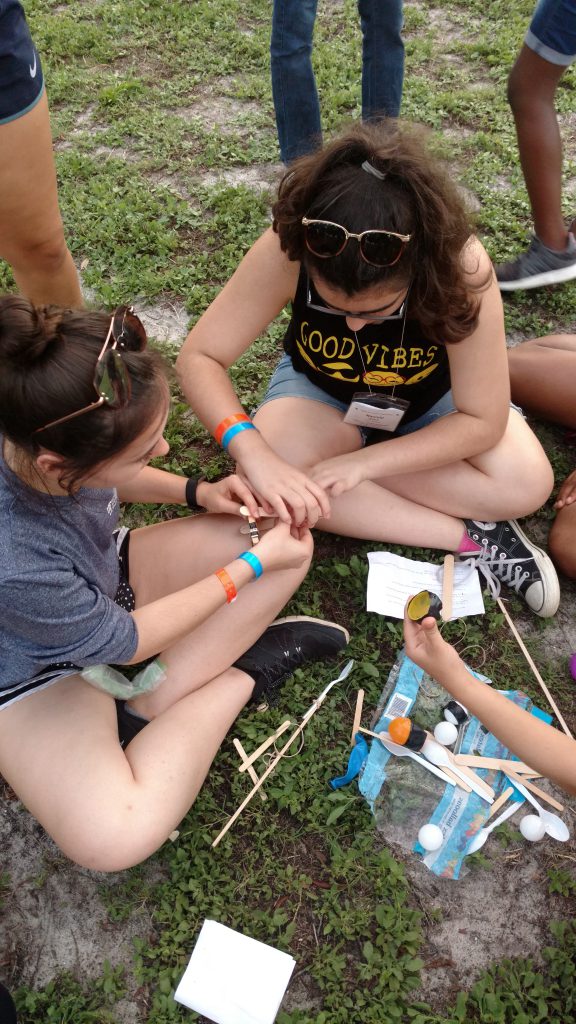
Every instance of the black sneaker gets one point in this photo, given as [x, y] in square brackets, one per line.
[286, 645]
[538, 266]
[517, 562]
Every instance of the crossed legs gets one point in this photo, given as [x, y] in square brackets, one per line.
[109, 809]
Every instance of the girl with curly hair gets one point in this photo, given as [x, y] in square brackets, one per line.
[388, 418]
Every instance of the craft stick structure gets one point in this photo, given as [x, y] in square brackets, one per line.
[252, 527]
[247, 766]
[275, 761]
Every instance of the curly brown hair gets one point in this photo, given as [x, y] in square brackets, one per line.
[415, 197]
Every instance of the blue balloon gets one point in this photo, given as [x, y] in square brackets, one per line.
[358, 755]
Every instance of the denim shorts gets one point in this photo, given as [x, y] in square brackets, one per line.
[286, 382]
[552, 32]
[21, 80]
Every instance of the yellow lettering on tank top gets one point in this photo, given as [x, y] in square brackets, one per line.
[415, 357]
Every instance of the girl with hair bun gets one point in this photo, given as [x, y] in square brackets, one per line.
[388, 418]
[83, 406]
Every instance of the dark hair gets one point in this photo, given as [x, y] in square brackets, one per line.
[416, 197]
[48, 357]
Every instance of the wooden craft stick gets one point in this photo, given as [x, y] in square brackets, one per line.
[456, 779]
[376, 735]
[447, 587]
[534, 789]
[251, 771]
[357, 715]
[477, 761]
[526, 654]
[247, 762]
[471, 774]
[500, 801]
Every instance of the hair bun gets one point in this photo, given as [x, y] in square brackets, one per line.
[26, 331]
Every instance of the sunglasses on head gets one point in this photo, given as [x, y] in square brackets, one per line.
[325, 239]
[111, 379]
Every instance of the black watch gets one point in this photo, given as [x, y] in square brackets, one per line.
[191, 488]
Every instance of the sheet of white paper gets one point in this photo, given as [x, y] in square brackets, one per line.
[233, 979]
[393, 579]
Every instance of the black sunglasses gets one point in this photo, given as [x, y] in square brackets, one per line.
[325, 239]
[111, 380]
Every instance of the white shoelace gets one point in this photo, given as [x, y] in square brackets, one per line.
[497, 568]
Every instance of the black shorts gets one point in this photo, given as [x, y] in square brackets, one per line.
[124, 597]
[21, 78]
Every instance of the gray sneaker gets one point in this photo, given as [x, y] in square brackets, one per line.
[538, 266]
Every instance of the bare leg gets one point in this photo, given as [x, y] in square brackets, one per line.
[543, 377]
[109, 809]
[562, 541]
[31, 232]
[531, 90]
[425, 508]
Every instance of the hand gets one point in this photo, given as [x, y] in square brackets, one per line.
[285, 547]
[339, 474]
[226, 495]
[567, 492]
[426, 647]
[285, 491]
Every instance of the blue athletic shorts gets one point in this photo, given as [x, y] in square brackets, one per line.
[21, 78]
[552, 32]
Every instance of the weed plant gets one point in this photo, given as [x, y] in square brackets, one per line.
[161, 110]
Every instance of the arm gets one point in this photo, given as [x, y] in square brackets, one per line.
[481, 392]
[544, 748]
[167, 620]
[260, 288]
[155, 485]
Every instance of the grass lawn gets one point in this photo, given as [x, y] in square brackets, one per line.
[167, 154]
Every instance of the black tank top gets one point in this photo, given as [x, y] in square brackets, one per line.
[323, 347]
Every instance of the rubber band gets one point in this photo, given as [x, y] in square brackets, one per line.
[228, 584]
[230, 434]
[253, 561]
[239, 417]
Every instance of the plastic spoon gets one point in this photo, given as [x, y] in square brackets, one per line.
[481, 836]
[399, 751]
[440, 756]
[553, 824]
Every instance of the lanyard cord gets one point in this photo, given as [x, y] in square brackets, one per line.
[399, 346]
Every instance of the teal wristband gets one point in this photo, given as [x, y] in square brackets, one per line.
[232, 431]
[253, 562]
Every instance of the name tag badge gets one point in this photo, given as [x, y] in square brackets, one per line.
[379, 412]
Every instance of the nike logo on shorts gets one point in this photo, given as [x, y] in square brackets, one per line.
[33, 68]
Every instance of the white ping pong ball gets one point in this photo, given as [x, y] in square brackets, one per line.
[532, 828]
[446, 733]
[430, 837]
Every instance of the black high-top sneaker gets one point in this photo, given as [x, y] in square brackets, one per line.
[514, 560]
[286, 645]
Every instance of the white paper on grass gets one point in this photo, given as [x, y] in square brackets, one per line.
[393, 579]
[233, 979]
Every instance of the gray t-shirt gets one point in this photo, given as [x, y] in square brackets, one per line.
[58, 577]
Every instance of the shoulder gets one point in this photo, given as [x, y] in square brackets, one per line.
[266, 260]
[476, 264]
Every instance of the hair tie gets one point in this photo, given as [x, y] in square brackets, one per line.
[367, 166]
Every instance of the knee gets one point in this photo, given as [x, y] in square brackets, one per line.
[562, 542]
[45, 255]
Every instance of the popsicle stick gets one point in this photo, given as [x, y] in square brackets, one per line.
[526, 654]
[534, 789]
[248, 761]
[447, 587]
[477, 761]
[475, 779]
[376, 735]
[357, 715]
[251, 771]
[456, 779]
[500, 801]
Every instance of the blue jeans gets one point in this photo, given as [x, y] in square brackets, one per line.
[294, 86]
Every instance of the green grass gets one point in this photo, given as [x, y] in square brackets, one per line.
[147, 96]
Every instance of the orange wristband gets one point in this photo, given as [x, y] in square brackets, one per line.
[228, 584]
[239, 417]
